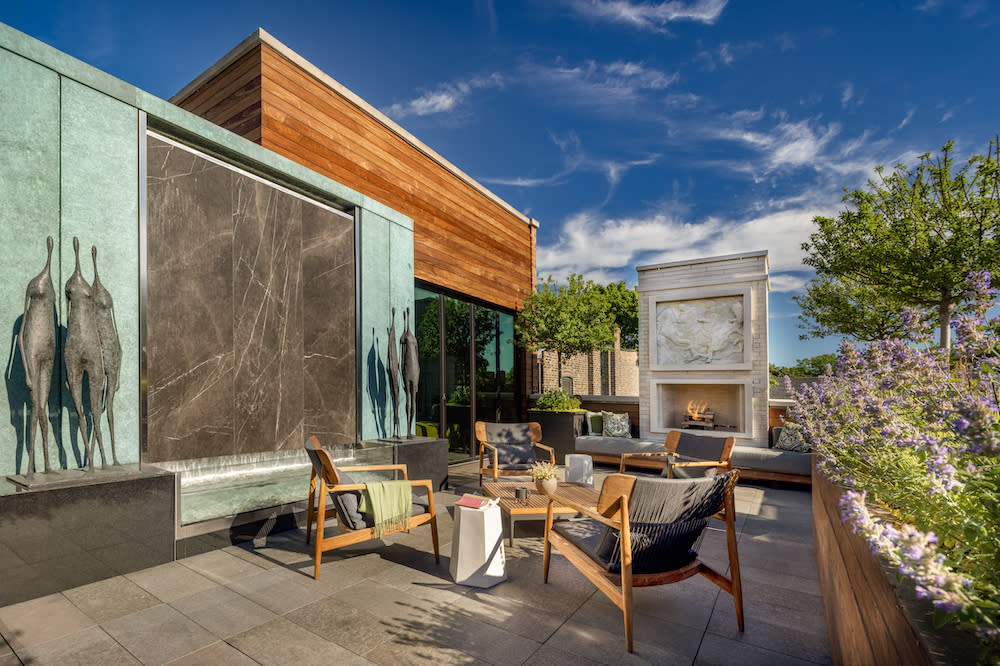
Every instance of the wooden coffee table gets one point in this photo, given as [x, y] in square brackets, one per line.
[537, 504]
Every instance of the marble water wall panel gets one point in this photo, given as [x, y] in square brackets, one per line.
[189, 307]
[250, 314]
[267, 313]
[329, 370]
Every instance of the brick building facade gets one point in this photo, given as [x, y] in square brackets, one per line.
[611, 372]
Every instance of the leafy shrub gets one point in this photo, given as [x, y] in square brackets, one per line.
[914, 432]
[557, 400]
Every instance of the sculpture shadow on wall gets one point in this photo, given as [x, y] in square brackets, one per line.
[19, 404]
[377, 385]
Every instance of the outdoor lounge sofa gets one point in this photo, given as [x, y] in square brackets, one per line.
[754, 463]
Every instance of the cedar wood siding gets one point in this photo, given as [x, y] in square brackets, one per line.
[463, 239]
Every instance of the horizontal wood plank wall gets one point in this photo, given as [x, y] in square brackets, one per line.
[463, 240]
[231, 99]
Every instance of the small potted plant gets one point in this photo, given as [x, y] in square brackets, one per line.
[546, 476]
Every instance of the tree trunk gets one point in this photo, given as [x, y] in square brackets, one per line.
[945, 308]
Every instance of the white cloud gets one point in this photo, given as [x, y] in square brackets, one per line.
[785, 42]
[846, 95]
[605, 87]
[650, 17]
[929, 5]
[725, 55]
[685, 101]
[787, 145]
[444, 98]
[608, 249]
[906, 120]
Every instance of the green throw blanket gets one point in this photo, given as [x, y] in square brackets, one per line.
[390, 503]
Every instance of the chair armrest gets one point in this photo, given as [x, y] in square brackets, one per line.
[375, 468]
[344, 487]
[703, 463]
[657, 454]
[589, 511]
[552, 451]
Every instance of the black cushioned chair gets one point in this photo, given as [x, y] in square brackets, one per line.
[508, 449]
[643, 532]
[690, 456]
[345, 495]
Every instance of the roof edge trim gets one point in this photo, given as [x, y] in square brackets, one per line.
[261, 36]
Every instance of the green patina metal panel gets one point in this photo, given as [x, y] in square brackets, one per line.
[386, 275]
[100, 206]
[29, 211]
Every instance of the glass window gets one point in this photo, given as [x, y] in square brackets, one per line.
[475, 380]
[427, 330]
[457, 377]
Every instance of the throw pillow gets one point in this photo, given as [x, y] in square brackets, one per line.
[595, 423]
[616, 425]
[791, 439]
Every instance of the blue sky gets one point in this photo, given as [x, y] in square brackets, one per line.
[635, 133]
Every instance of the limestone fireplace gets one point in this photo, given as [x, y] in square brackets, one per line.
[703, 359]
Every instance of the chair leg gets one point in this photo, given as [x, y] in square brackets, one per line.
[627, 605]
[311, 507]
[434, 538]
[320, 520]
[547, 548]
[734, 559]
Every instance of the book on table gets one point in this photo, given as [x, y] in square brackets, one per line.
[473, 501]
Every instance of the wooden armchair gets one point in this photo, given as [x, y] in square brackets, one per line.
[344, 495]
[688, 455]
[508, 449]
[642, 532]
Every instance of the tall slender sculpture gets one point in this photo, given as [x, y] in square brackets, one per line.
[37, 343]
[392, 368]
[83, 354]
[411, 370]
[111, 349]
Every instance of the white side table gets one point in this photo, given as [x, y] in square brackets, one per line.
[477, 556]
[580, 469]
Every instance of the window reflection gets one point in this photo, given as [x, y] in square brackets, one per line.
[451, 395]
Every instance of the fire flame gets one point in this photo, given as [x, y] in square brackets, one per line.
[697, 410]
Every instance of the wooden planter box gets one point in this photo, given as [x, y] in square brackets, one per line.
[559, 430]
[870, 617]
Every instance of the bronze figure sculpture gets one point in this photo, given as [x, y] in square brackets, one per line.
[111, 349]
[37, 343]
[83, 354]
[392, 368]
[411, 370]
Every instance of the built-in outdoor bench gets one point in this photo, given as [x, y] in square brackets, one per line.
[754, 463]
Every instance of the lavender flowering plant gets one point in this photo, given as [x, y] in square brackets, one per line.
[913, 433]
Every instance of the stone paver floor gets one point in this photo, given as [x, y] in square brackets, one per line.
[387, 602]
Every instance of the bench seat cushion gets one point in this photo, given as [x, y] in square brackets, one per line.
[772, 460]
[618, 445]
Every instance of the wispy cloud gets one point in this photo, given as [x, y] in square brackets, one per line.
[846, 95]
[572, 152]
[444, 98]
[650, 17]
[912, 111]
[726, 54]
[602, 86]
[950, 112]
[785, 42]
[575, 160]
[929, 5]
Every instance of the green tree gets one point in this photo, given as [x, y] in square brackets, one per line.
[570, 318]
[814, 366]
[623, 303]
[909, 239]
